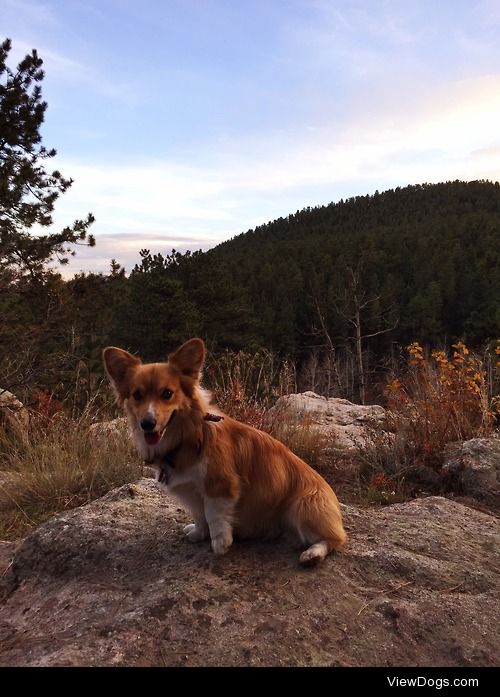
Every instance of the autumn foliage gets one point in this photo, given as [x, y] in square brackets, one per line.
[441, 398]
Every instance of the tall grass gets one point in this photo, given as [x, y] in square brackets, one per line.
[57, 463]
[300, 434]
[240, 380]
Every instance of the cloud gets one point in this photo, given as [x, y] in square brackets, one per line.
[63, 69]
[434, 133]
[149, 195]
[33, 13]
[492, 151]
[125, 248]
[54, 63]
[344, 42]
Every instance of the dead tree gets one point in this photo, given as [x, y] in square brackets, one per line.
[355, 303]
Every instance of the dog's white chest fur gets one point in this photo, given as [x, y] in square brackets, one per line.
[192, 478]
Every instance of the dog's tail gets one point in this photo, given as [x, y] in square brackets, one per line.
[316, 517]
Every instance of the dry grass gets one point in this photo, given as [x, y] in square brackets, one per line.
[436, 400]
[299, 433]
[56, 464]
[255, 379]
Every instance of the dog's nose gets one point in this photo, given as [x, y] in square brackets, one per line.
[148, 423]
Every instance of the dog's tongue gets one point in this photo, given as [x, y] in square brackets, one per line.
[152, 438]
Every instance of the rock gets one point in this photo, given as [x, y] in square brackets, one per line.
[473, 467]
[349, 423]
[13, 414]
[7, 550]
[114, 583]
[149, 472]
[104, 430]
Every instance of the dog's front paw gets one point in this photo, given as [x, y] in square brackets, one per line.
[221, 543]
[195, 533]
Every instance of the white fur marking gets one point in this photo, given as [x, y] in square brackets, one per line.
[196, 532]
[315, 554]
[219, 514]
[187, 487]
[194, 476]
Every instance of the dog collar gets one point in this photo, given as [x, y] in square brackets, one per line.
[168, 458]
[212, 417]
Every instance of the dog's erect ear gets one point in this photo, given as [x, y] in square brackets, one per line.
[119, 366]
[189, 357]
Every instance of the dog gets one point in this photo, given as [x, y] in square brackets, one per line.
[233, 478]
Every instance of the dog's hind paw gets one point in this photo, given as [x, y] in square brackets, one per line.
[195, 533]
[314, 555]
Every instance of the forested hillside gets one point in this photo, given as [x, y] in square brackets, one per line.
[426, 257]
[352, 281]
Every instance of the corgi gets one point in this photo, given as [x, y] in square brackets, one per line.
[234, 479]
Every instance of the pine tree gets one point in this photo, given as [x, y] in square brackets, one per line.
[28, 191]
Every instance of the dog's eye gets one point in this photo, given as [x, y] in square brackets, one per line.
[137, 395]
[166, 394]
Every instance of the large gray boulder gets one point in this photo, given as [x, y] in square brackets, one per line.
[114, 583]
[348, 424]
[473, 467]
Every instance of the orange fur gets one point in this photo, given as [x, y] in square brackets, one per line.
[231, 476]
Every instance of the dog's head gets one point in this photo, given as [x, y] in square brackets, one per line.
[153, 393]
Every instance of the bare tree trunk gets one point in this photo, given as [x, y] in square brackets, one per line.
[331, 358]
[359, 356]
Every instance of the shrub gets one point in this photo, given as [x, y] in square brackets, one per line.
[437, 399]
[440, 399]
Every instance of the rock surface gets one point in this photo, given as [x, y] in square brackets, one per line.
[104, 430]
[474, 468]
[115, 583]
[13, 414]
[348, 423]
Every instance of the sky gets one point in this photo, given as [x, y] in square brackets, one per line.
[186, 122]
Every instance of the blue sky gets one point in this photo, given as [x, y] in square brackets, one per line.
[186, 122]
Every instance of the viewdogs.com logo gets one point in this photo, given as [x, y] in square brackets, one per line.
[437, 683]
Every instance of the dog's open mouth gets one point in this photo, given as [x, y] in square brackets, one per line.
[152, 438]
